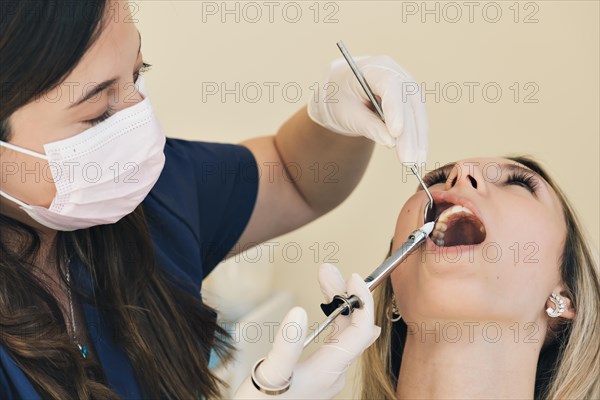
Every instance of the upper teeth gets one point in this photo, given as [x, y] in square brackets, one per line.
[440, 226]
[453, 210]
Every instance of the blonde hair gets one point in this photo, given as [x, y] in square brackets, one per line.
[568, 367]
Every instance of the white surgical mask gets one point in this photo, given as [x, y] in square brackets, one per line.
[103, 173]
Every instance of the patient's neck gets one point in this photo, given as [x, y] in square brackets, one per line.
[476, 360]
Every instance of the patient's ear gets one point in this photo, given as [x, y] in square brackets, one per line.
[555, 325]
[569, 312]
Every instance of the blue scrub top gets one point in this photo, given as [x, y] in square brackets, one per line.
[196, 212]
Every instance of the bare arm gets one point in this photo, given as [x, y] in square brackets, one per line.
[305, 171]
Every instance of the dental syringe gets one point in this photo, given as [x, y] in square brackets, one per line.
[341, 305]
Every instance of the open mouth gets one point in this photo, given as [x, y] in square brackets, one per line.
[455, 225]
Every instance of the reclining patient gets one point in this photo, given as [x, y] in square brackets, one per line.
[503, 302]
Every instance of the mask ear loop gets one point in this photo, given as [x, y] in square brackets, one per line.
[429, 205]
[23, 150]
[14, 200]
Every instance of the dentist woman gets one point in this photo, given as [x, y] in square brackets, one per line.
[107, 228]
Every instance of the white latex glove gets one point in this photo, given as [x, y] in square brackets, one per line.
[346, 111]
[322, 374]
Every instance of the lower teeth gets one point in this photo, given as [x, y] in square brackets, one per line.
[438, 236]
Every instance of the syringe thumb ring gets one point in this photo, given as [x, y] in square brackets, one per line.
[261, 387]
[351, 303]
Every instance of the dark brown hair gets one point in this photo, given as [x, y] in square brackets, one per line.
[166, 331]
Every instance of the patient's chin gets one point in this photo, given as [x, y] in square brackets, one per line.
[449, 301]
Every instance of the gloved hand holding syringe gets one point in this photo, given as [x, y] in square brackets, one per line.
[342, 305]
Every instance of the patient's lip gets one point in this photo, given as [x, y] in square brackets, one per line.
[454, 198]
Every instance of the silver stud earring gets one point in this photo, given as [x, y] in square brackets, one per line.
[395, 317]
[559, 306]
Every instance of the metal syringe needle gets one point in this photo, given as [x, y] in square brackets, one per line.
[341, 305]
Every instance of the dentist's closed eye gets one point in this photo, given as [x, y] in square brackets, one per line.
[109, 111]
[144, 68]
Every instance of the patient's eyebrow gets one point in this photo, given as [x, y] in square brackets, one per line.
[514, 167]
[102, 86]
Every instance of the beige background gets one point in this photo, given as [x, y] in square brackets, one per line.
[557, 55]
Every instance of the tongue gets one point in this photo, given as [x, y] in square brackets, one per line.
[463, 229]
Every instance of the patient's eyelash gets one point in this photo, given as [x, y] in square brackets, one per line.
[435, 177]
[516, 177]
[109, 110]
[523, 179]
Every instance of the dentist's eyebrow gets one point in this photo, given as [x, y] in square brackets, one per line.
[102, 86]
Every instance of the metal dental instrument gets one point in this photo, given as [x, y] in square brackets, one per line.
[343, 306]
[429, 204]
[361, 79]
[377, 107]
